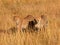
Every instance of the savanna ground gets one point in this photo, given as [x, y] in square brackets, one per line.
[50, 8]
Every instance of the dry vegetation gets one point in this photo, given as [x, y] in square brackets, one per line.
[50, 8]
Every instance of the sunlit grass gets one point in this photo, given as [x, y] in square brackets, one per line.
[49, 36]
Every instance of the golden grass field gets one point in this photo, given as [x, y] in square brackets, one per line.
[22, 8]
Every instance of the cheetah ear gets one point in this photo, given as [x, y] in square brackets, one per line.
[15, 18]
[44, 17]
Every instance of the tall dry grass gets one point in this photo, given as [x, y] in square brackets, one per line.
[50, 8]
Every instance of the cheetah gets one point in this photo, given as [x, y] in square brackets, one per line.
[42, 22]
[18, 22]
[28, 23]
